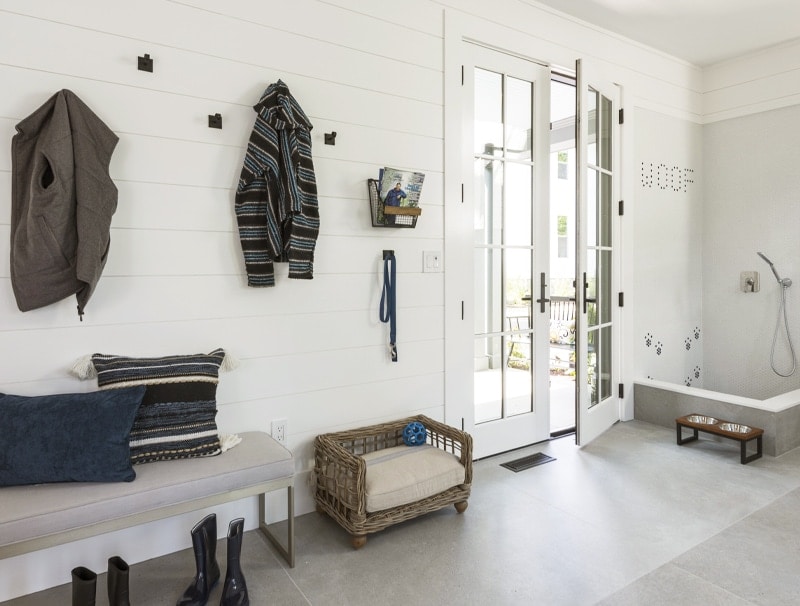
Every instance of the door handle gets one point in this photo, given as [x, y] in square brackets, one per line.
[585, 292]
[542, 286]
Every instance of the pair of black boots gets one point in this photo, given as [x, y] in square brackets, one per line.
[84, 584]
[204, 543]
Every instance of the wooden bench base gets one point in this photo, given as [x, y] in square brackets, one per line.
[727, 429]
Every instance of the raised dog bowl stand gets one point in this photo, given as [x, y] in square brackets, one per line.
[727, 429]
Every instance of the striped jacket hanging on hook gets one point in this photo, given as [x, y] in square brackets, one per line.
[276, 198]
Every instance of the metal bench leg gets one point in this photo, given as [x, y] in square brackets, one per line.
[756, 455]
[681, 439]
[288, 551]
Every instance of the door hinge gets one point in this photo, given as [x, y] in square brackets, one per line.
[621, 115]
[621, 210]
[462, 75]
[621, 390]
[621, 299]
[462, 310]
[462, 193]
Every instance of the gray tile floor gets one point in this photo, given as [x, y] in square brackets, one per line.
[631, 519]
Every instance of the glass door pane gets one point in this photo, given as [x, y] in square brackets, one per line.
[488, 127]
[519, 119]
[504, 186]
[596, 334]
[598, 265]
[488, 379]
[561, 348]
[503, 244]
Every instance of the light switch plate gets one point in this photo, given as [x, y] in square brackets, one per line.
[432, 261]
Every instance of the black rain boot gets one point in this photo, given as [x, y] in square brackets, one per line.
[204, 543]
[234, 592]
[117, 582]
[84, 583]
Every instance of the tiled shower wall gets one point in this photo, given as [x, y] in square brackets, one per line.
[707, 200]
[668, 334]
[752, 203]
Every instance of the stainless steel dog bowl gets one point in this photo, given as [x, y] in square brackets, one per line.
[702, 420]
[735, 427]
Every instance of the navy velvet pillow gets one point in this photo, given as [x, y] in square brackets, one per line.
[76, 437]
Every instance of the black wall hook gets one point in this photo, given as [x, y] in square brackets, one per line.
[215, 121]
[145, 63]
[330, 138]
[387, 254]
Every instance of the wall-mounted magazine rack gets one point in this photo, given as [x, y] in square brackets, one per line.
[389, 216]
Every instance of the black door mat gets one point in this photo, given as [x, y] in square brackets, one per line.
[527, 462]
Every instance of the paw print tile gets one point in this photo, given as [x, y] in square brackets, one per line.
[659, 347]
[648, 339]
[688, 344]
[697, 332]
[688, 382]
[696, 372]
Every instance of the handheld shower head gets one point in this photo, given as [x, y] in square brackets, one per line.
[771, 266]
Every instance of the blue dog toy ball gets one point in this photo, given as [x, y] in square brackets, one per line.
[414, 434]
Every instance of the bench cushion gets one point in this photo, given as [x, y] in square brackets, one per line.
[405, 474]
[34, 511]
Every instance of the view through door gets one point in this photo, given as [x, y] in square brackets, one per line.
[561, 329]
[540, 351]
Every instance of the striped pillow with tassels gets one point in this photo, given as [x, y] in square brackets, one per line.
[177, 417]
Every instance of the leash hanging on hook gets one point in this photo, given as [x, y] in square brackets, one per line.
[388, 308]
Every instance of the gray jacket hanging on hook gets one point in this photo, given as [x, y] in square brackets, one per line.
[276, 198]
[61, 204]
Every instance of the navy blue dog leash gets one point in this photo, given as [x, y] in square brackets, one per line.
[388, 309]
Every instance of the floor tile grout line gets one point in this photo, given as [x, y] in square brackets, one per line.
[704, 580]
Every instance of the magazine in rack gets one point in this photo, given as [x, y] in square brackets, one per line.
[399, 192]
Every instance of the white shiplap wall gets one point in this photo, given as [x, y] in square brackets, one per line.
[311, 352]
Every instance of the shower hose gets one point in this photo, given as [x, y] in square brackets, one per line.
[782, 312]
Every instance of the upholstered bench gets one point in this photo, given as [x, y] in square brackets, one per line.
[43, 515]
[368, 479]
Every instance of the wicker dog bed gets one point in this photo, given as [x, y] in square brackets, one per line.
[341, 474]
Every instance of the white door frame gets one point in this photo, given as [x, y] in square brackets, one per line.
[592, 420]
[457, 229]
[459, 308]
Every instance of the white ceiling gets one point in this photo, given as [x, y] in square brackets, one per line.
[702, 32]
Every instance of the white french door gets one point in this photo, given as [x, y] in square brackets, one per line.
[597, 267]
[506, 172]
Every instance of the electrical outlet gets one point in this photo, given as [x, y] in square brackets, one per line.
[279, 430]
